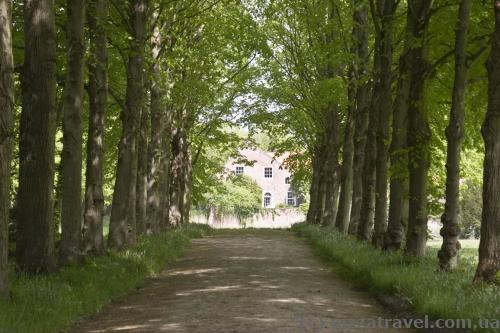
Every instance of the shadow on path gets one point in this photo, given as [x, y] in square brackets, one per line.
[247, 281]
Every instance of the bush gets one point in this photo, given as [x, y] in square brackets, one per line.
[471, 205]
[51, 303]
[241, 197]
[430, 292]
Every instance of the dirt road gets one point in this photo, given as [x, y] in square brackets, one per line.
[252, 281]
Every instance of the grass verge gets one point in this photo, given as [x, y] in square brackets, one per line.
[46, 304]
[428, 291]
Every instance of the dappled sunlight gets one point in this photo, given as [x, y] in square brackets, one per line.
[128, 307]
[209, 290]
[173, 327]
[192, 271]
[248, 258]
[263, 320]
[217, 288]
[129, 327]
[287, 300]
[296, 268]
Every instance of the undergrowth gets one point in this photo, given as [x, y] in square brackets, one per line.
[51, 303]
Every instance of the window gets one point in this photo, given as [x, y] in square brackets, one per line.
[240, 170]
[268, 172]
[290, 199]
[267, 200]
[287, 180]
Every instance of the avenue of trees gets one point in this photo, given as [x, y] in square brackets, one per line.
[109, 103]
[126, 104]
[383, 97]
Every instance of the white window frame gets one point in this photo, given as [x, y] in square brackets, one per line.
[267, 200]
[290, 199]
[239, 170]
[268, 172]
[287, 181]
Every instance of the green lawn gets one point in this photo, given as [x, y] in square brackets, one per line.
[430, 292]
[47, 304]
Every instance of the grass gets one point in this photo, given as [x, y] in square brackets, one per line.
[429, 292]
[51, 303]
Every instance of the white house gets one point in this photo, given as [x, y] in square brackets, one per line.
[271, 175]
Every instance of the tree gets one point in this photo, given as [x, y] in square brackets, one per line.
[97, 15]
[142, 174]
[418, 126]
[489, 248]
[123, 213]
[367, 213]
[6, 135]
[35, 227]
[239, 196]
[399, 162]
[156, 155]
[71, 173]
[385, 10]
[448, 255]
[362, 104]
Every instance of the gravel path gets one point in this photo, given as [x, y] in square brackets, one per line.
[244, 281]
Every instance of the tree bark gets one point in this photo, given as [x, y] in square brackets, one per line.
[314, 189]
[367, 214]
[346, 172]
[361, 117]
[35, 229]
[399, 160]
[165, 179]
[97, 14]
[386, 10]
[418, 127]
[448, 255]
[187, 184]
[142, 174]
[123, 213]
[332, 168]
[176, 190]
[6, 136]
[489, 247]
[156, 154]
[71, 173]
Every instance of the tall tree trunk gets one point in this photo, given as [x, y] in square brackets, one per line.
[346, 172]
[71, 175]
[361, 117]
[332, 168]
[187, 184]
[314, 188]
[399, 161]
[332, 197]
[369, 168]
[176, 191]
[156, 154]
[6, 135]
[142, 174]
[489, 247]
[321, 186]
[35, 229]
[448, 255]
[367, 214]
[386, 9]
[165, 180]
[97, 15]
[123, 213]
[418, 127]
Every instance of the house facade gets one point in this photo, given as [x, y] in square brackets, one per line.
[270, 174]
